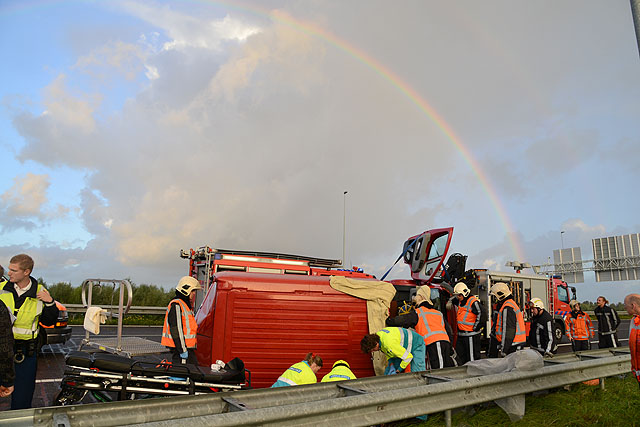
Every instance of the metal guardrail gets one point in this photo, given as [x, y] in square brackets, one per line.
[79, 308]
[365, 401]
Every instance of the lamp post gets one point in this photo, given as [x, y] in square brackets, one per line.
[562, 239]
[344, 225]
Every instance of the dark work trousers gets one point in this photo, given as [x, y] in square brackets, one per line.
[468, 348]
[25, 382]
[439, 355]
[607, 341]
[580, 345]
[493, 347]
[177, 361]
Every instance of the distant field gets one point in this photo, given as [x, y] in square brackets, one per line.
[618, 405]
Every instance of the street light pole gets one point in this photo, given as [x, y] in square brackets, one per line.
[344, 225]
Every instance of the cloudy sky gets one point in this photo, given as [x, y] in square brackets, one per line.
[132, 129]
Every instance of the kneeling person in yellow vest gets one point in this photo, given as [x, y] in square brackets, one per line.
[508, 330]
[301, 373]
[341, 371]
[179, 331]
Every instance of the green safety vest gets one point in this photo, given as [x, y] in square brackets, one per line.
[25, 326]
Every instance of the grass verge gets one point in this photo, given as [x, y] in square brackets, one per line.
[582, 405]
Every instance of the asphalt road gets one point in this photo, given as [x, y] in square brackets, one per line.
[51, 361]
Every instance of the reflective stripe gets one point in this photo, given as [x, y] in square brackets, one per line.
[440, 358]
[287, 380]
[466, 318]
[501, 322]
[431, 325]
[405, 357]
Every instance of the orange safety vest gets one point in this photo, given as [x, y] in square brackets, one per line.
[431, 325]
[578, 328]
[634, 345]
[521, 335]
[189, 326]
[467, 318]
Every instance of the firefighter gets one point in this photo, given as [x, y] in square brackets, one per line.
[340, 371]
[303, 372]
[428, 322]
[180, 328]
[31, 304]
[579, 328]
[404, 349]
[470, 319]
[541, 337]
[632, 305]
[508, 329]
[608, 321]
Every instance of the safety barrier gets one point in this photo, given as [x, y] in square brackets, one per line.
[79, 308]
[365, 401]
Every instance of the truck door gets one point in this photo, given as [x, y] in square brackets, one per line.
[426, 252]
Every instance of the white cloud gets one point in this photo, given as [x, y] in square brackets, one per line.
[27, 196]
[190, 31]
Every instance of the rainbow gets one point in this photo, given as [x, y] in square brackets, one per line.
[371, 63]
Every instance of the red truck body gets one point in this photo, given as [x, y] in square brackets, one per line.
[271, 321]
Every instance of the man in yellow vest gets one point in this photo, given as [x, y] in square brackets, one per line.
[341, 371]
[32, 304]
[179, 332]
[508, 329]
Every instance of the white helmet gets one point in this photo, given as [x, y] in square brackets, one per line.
[188, 284]
[500, 290]
[423, 294]
[537, 303]
[573, 303]
[461, 289]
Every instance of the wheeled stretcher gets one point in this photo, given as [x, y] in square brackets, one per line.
[107, 377]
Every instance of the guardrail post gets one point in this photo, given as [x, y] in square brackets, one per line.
[447, 417]
[601, 383]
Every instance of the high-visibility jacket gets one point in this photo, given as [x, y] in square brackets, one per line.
[297, 374]
[7, 298]
[397, 342]
[431, 325]
[189, 326]
[578, 327]
[501, 323]
[634, 345]
[26, 326]
[340, 372]
[467, 319]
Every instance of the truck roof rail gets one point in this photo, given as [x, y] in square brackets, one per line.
[203, 251]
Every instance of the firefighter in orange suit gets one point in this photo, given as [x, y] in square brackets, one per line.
[470, 320]
[428, 322]
[180, 329]
[508, 330]
[579, 327]
[632, 305]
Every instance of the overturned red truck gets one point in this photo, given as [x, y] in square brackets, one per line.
[270, 309]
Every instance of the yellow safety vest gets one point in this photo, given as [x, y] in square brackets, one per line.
[298, 374]
[27, 316]
[339, 373]
[7, 298]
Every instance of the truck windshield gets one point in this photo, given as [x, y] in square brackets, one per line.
[563, 295]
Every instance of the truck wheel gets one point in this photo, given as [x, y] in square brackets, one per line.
[558, 331]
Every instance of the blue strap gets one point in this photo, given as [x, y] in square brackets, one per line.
[409, 246]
